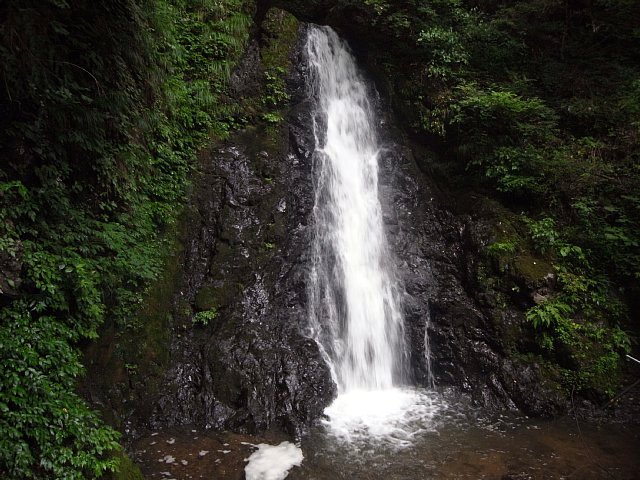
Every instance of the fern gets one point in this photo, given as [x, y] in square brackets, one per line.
[550, 313]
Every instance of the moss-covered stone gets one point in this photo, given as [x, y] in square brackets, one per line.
[265, 101]
[531, 269]
[206, 298]
[124, 369]
[126, 469]
[281, 28]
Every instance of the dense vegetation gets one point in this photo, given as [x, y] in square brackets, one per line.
[537, 104]
[103, 106]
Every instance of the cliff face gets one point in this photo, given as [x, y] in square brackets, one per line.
[223, 342]
[247, 258]
[545, 221]
[237, 357]
[473, 330]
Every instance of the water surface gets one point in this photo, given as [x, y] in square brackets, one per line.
[463, 443]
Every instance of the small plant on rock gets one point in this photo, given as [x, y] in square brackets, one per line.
[205, 317]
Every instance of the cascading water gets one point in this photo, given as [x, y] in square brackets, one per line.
[354, 298]
[353, 288]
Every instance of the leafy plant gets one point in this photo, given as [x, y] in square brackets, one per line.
[205, 317]
[544, 234]
[273, 118]
[502, 248]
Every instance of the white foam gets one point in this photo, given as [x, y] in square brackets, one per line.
[395, 416]
[273, 462]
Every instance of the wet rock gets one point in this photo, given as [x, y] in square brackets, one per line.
[246, 255]
[250, 367]
[472, 329]
[245, 78]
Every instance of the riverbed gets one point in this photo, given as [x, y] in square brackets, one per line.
[456, 441]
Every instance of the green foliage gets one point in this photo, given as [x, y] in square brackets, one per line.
[551, 313]
[587, 351]
[514, 151]
[47, 430]
[270, 117]
[104, 107]
[537, 104]
[275, 96]
[205, 317]
[379, 6]
[280, 32]
[208, 37]
[125, 470]
[276, 91]
[529, 94]
[502, 248]
[580, 324]
[446, 51]
[544, 234]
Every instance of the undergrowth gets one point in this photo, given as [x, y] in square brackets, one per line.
[536, 104]
[104, 105]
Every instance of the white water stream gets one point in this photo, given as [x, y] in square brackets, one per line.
[354, 297]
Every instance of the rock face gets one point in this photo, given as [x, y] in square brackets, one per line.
[478, 336]
[439, 259]
[249, 368]
[246, 364]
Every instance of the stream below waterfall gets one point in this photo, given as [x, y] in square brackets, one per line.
[460, 443]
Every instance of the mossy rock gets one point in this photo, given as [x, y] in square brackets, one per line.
[531, 269]
[510, 251]
[281, 29]
[126, 469]
[182, 311]
[211, 297]
[206, 298]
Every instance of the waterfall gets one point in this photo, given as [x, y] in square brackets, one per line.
[355, 305]
[355, 311]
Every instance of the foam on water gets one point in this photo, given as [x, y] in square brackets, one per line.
[393, 416]
[273, 462]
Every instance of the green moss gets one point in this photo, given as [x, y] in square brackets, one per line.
[551, 376]
[281, 33]
[281, 30]
[207, 298]
[511, 252]
[530, 268]
[126, 469]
